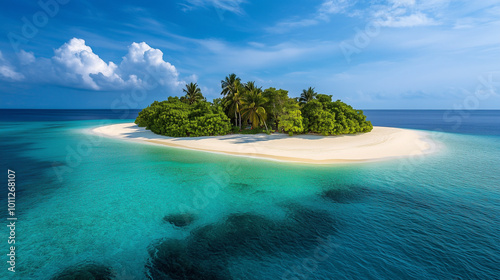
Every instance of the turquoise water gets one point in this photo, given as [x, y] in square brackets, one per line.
[83, 199]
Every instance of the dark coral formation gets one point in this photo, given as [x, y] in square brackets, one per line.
[85, 271]
[180, 220]
[206, 252]
[345, 194]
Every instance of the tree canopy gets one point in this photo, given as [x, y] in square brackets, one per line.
[193, 94]
[253, 107]
[291, 120]
[325, 117]
[307, 95]
[179, 119]
[191, 115]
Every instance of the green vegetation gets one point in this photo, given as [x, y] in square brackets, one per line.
[275, 106]
[252, 107]
[193, 94]
[247, 109]
[181, 119]
[307, 95]
[253, 131]
[291, 120]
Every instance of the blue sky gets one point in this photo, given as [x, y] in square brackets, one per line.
[397, 54]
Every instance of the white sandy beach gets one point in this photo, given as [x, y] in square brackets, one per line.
[379, 144]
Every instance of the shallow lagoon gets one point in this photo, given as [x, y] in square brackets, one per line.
[432, 217]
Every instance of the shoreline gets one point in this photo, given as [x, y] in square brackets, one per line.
[383, 143]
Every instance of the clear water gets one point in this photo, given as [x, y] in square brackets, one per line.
[84, 199]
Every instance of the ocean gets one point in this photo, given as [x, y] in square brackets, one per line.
[109, 209]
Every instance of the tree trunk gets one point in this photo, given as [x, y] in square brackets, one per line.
[239, 113]
[235, 119]
[265, 125]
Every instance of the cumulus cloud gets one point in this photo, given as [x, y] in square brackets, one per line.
[26, 58]
[141, 57]
[75, 64]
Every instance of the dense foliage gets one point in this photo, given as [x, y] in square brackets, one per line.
[291, 120]
[325, 117]
[277, 98]
[178, 119]
[251, 109]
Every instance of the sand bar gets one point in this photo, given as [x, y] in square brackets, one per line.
[380, 144]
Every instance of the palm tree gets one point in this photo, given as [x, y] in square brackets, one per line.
[253, 108]
[233, 104]
[307, 95]
[250, 86]
[229, 84]
[193, 94]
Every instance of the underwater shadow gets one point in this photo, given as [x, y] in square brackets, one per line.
[206, 253]
[345, 194]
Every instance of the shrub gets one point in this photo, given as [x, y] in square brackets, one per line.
[177, 119]
[291, 119]
[333, 118]
[235, 129]
[253, 131]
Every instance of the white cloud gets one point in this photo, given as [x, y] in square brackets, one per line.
[323, 13]
[457, 14]
[331, 7]
[74, 64]
[417, 19]
[142, 59]
[7, 71]
[233, 6]
[390, 13]
[403, 2]
[26, 57]
[408, 13]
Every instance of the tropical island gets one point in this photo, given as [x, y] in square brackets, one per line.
[252, 110]
[268, 124]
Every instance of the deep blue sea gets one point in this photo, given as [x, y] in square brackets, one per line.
[95, 208]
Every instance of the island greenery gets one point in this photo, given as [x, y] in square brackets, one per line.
[245, 108]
